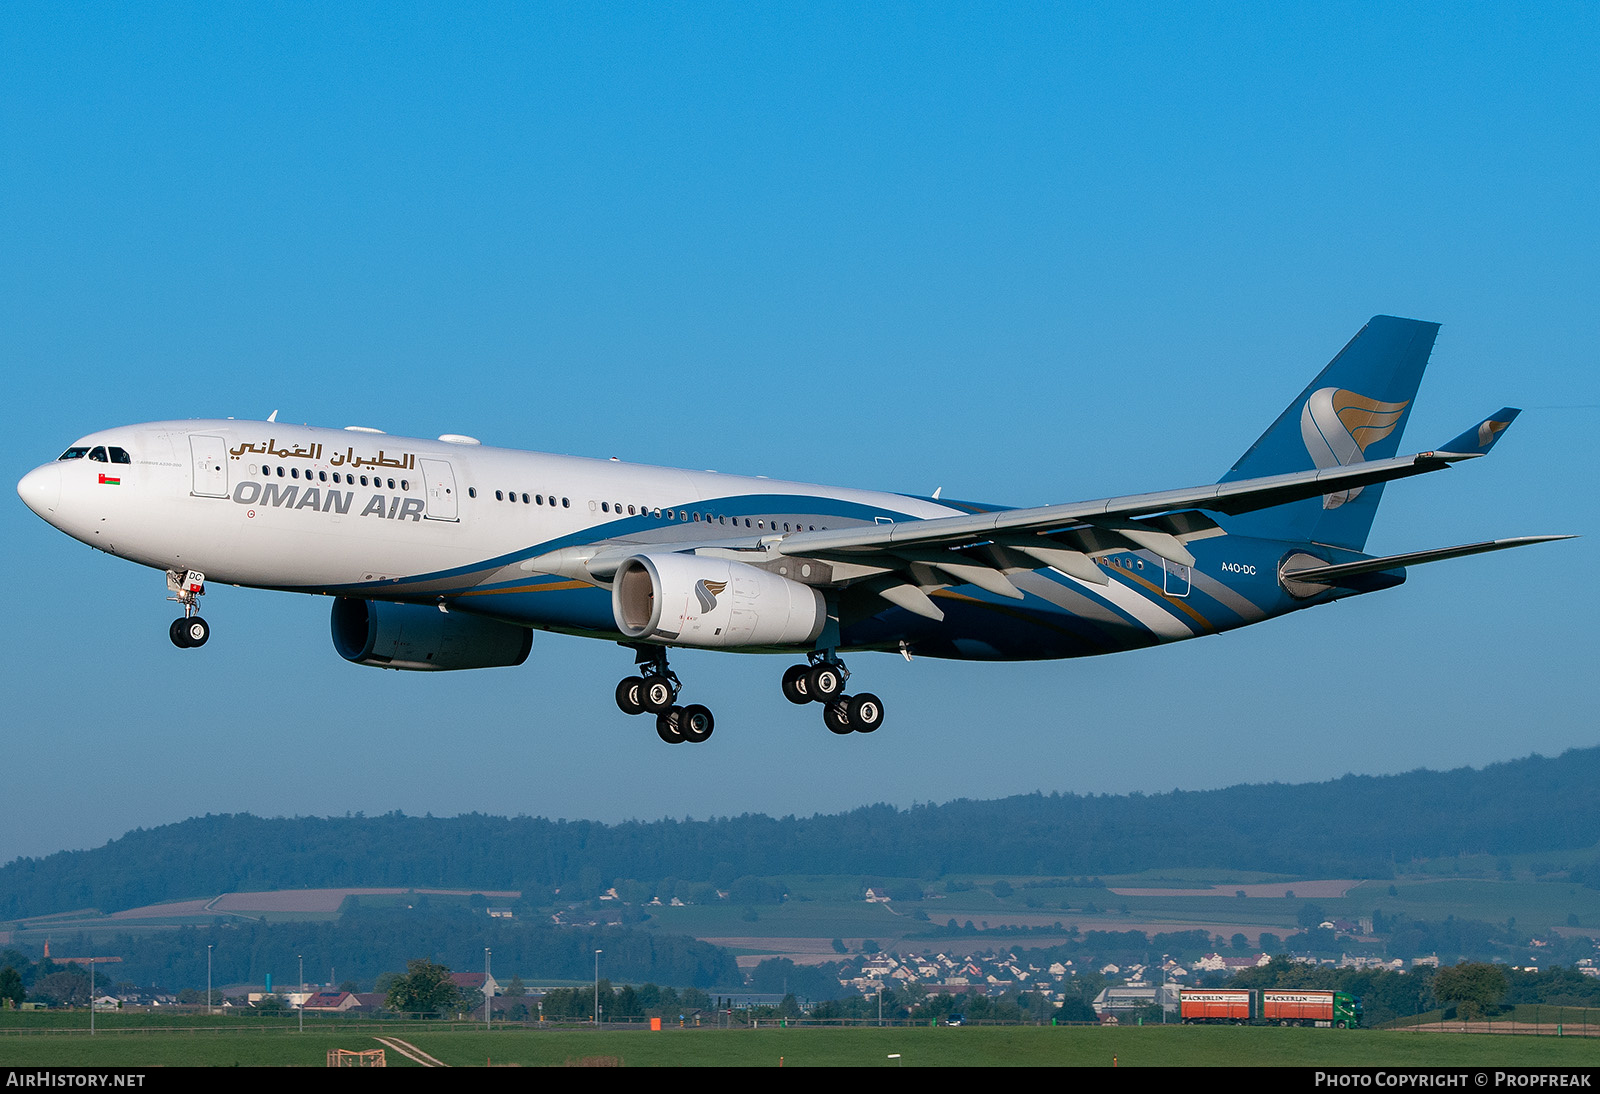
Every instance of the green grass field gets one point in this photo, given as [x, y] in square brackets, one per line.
[830, 906]
[1173, 1046]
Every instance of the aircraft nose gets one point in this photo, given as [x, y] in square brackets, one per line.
[40, 490]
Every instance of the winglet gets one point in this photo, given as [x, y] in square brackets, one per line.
[1480, 438]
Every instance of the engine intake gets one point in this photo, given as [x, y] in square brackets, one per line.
[422, 638]
[697, 601]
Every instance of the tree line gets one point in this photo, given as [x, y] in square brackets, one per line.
[1357, 826]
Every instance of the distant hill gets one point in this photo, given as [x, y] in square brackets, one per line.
[1357, 826]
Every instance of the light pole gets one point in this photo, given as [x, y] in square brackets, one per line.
[1162, 997]
[302, 1007]
[597, 954]
[486, 1025]
[208, 979]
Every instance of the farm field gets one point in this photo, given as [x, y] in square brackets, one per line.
[1022, 1046]
[825, 907]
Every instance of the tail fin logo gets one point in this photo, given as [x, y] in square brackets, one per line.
[1338, 426]
[1488, 431]
[706, 592]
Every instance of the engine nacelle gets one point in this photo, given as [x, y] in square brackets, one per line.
[700, 601]
[416, 636]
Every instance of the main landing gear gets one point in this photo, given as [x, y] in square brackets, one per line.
[822, 680]
[655, 691]
[188, 588]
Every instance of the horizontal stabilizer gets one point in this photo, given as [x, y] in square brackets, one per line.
[1480, 438]
[1341, 572]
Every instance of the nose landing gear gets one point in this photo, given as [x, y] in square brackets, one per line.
[187, 588]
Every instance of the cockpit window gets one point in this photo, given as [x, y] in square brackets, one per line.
[99, 455]
[120, 455]
[74, 454]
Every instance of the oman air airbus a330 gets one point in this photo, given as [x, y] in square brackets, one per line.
[447, 554]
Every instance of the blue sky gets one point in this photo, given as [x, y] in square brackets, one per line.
[1026, 253]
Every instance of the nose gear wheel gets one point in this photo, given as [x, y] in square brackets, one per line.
[187, 588]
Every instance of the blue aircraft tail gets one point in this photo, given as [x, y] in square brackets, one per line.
[1355, 410]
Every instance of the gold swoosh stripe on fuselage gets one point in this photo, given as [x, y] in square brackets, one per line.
[1118, 571]
[554, 586]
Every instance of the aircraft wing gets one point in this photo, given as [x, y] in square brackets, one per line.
[1148, 520]
[1241, 496]
[902, 561]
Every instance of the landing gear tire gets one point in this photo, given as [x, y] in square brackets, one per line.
[836, 716]
[824, 683]
[656, 695]
[668, 725]
[629, 700]
[794, 684]
[695, 723]
[189, 633]
[866, 712]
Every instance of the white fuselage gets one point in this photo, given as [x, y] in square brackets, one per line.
[277, 506]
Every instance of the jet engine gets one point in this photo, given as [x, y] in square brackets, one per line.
[420, 637]
[698, 601]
